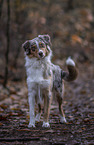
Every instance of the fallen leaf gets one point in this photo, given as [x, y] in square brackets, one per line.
[3, 106]
[12, 90]
[14, 97]
[44, 138]
[83, 128]
[6, 101]
[76, 39]
[3, 117]
[1, 124]
[49, 131]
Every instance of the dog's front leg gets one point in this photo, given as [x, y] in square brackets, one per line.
[47, 104]
[31, 100]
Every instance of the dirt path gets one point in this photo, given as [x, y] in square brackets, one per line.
[78, 105]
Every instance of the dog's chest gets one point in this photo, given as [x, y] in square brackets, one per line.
[35, 70]
[35, 74]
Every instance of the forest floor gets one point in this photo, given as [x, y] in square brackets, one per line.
[78, 105]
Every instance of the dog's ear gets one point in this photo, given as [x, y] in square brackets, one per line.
[26, 45]
[45, 38]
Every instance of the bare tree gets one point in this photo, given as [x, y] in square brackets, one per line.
[1, 4]
[17, 4]
[70, 5]
[8, 43]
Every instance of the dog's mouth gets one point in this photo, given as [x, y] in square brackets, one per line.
[41, 54]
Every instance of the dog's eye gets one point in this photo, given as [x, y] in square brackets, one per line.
[41, 45]
[33, 48]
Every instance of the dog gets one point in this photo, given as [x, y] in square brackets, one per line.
[44, 79]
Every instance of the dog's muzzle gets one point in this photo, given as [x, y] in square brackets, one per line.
[41, 54]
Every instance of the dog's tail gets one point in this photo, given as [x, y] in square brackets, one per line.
[72, 71]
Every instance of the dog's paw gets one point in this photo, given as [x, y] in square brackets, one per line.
[31, 125]
[46, 124]
[63, 120]
[38, 117]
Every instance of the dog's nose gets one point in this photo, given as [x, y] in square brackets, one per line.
[41, 54]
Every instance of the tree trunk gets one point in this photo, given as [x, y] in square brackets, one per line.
[17, 4]
[1, 4]
[70, 5]
[8, 42]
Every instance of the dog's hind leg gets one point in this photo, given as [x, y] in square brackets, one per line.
[39, 113]
[62, 115]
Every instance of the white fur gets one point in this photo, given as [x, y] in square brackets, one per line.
[46, 124]
[38, 117]
[35, 81]
[69, 61]
[62, 119]
[31, 99]
[35, 69]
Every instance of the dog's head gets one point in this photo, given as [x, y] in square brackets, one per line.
[38, 47]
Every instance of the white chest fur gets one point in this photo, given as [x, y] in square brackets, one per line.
[35, 70]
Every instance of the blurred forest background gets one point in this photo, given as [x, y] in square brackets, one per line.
[70, 23]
